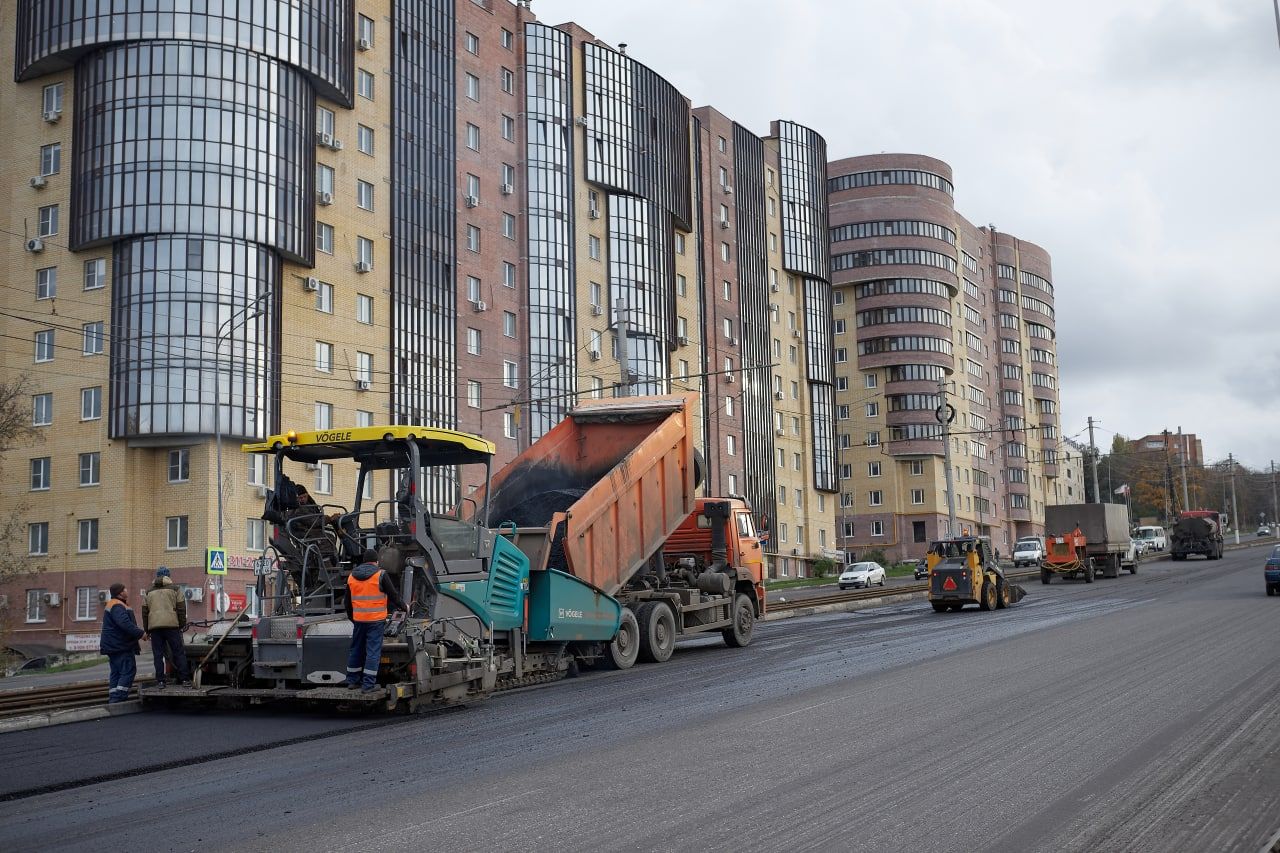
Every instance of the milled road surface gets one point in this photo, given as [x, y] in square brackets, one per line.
[1130, 714]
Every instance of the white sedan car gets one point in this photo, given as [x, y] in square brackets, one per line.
[858, 575]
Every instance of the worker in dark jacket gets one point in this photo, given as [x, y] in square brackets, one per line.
[119, 642]
[370, 593]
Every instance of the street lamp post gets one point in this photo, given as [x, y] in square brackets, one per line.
[256, 308]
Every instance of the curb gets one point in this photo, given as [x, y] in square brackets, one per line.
[73, 715]
[841, 607]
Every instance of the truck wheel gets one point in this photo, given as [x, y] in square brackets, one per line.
[657, 631]
[622, 652]
[941, 606]
[987, 598]
[1045, 576]
[1088, 571]
[744, 623]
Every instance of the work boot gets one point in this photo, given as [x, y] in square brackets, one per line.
[352, 685]
[161, 685]
[368, 689]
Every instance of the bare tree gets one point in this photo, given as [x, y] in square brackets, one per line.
[15, 430]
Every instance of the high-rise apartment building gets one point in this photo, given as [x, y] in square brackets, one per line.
[346, 212]
[935, 319]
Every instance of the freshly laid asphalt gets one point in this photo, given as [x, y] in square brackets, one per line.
[1129, 714]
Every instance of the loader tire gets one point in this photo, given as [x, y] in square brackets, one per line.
[1002, 596]
[744, 623]
[941, 606]
[657, 631]
[987, 597]
[622, 652]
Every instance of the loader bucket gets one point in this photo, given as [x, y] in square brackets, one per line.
[1016, 592]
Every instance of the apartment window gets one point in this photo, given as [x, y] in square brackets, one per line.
[728, 328]
[95, 274]
[726, 290]
[842, 383]
[508, 39]
[873, 438]
[473, 186]
[848, 529]
[877, 528]
[682, 368]
[508, 274]
[508, 128]
[508, 425]
[255, 534]
[364, 309]
[91, 403]
[364, 366]
[52, 101]
[510, 374]
[682, 285]
[324, 415]
[364, 29]
[731, 445]
[869, 380]
[324, 479]
[724, 252]
[35, 604]
[875, 497]
[508, 324]
[773, 242]
[86, 603]
[915, 467]
[841, 355]
[917, 496]
[92, 339]
[795, 461]
[38, 538]
[473, 86]
[473, 238]
[176, 528]
[839, 327]
[724, 177]
[180, 465]
[723, 144]
[324, 357]
[51, 159]
[473, 393]
[324, 179]
[508, 226]
[782, 531]
[364, 195]
[41, 471]
[473, 289]
[42, 410]
[324, 238]
[48, 220]
[87, 540]
[733, 484]
[90, 468]
[364, 84]
[364, 252]
[679, 244]
[44, 345]
[324, 121]
[873, 410]
[508, 175]
[873, 469]
[258, 466]
[473, 341]
[728, 407]
[472, 43]
[473, 137]
[508, 79]
[364, 139]
[324, 297]
[593, 247]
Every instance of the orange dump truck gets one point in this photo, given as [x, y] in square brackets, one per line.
[609, 496]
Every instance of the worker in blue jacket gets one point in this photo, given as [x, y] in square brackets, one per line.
[120, 635]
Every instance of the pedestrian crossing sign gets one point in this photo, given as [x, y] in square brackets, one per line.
[215, 562]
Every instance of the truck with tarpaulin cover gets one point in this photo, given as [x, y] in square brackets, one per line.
[591, 547]
[1107, 546]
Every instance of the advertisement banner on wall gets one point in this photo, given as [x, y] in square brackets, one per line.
[83, 642]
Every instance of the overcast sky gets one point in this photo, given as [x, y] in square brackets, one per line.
[1135, 140]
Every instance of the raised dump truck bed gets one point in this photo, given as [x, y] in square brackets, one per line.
[599, 494]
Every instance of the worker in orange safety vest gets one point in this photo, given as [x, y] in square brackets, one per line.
[370, 594]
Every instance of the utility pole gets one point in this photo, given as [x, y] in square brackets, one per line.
[1093, 455]
[944, 415]
[1182, 450]
[1275, 508]
[1168, 483]
[1235, 513]
[624, 351]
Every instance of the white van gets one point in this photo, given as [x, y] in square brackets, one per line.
[1152, 537]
